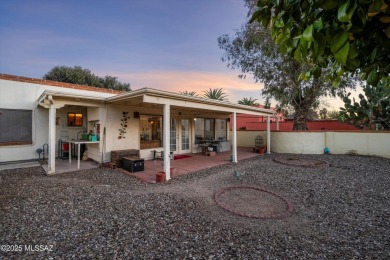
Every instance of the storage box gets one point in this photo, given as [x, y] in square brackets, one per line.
[117, 155]
[133, 164]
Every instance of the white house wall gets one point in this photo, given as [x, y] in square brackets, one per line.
[23, 95]
[113, 124]
[96, 115]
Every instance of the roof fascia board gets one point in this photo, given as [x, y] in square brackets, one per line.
[85, 100]
[196, 105]
[124, 97]
[175, 96]
[207, 101]
[70, 95]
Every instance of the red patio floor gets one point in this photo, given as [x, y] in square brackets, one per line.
[187, 165]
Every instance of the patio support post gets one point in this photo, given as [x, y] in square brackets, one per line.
[234, 136]
[166, 140]
[268, 134]
[51, 164]
[277, 123]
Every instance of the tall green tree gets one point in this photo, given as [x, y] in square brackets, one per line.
[216, 93]
[81, 76]
[253, 51]
[371, 112]
[248, 101]
[346, 36]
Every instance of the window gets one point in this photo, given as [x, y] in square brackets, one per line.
[199, 130]
[75, 119]
[220, 129]
[210, 129]
[15, 126]
[150, 131]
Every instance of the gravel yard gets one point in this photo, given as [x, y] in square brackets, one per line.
[340, 211]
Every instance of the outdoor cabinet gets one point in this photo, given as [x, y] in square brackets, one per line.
[133, 164]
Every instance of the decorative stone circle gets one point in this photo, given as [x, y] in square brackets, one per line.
[295, 161]
[253, 202]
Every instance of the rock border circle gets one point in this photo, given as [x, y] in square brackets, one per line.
[285, 214]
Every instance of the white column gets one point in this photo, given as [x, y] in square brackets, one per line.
[166, 140]
[268, 134]
[51, 164]
[234, 136]
[277, 123]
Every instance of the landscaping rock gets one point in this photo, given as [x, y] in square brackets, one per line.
[340, 211]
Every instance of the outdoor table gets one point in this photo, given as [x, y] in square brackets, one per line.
[78, 142]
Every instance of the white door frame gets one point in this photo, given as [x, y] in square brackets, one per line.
[180, 135]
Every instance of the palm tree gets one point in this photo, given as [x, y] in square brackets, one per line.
[215, 94]
[248, 101]
[189, 93]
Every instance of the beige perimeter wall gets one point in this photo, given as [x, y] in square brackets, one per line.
[364, 142]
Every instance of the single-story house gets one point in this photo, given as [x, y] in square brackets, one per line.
[36, 112]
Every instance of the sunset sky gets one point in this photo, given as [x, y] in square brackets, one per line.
[169, 45]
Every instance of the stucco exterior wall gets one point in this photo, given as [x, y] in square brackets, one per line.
[298, 142]
[113, 124]
[22, 95]
[247, 138]
[363, 142]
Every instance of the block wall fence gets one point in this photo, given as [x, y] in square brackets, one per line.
[375, 143]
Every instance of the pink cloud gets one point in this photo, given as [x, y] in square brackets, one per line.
[198, 81]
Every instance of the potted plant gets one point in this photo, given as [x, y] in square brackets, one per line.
[262, 149]
[173, 171]
[160, 177]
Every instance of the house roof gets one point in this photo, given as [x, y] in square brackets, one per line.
[144, 96]
[57, 84]
[155, 96]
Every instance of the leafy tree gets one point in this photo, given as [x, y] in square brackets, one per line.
[253, 51]
[371, 112]
[332, 114]
[323, 113]
[267, 103]
[347, 35]
[215, 94]
[78, 75]
[248, 101]
[189, 93]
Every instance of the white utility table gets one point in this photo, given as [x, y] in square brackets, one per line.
[78, 142]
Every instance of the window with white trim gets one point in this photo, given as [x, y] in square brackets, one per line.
[15, 126]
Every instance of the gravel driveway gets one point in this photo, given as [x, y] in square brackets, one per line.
[342, 211]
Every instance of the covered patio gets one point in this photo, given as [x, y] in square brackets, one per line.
[151, 122]
[182, 108]
[194, 162]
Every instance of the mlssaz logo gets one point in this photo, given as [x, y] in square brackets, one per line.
[38, 248]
